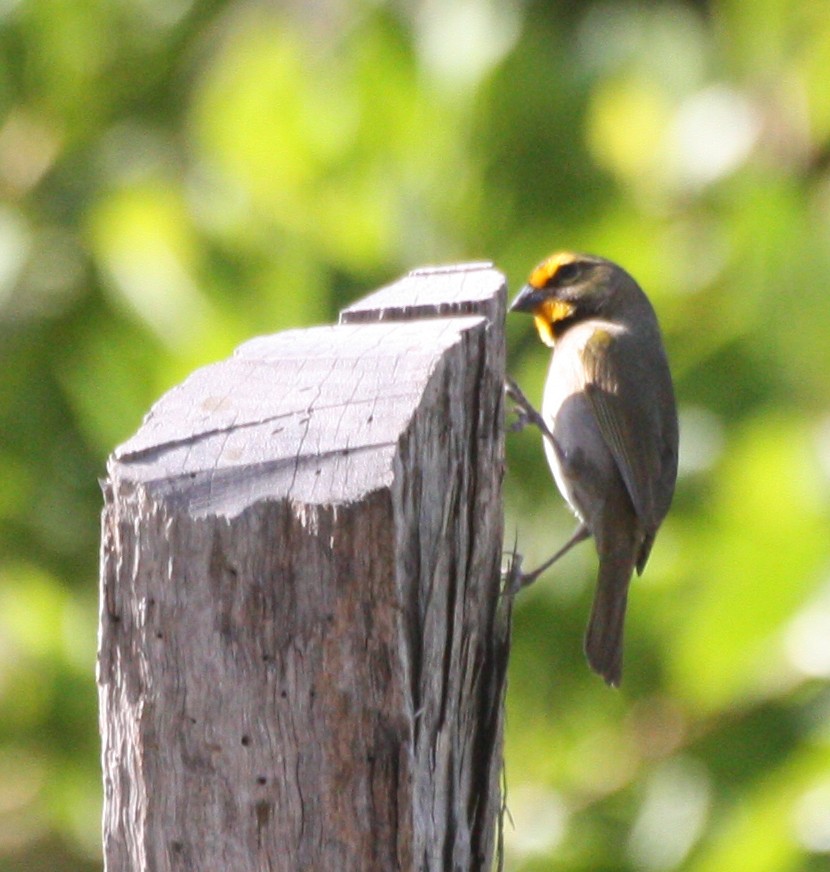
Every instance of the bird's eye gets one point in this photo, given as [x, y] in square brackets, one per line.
[567, 272]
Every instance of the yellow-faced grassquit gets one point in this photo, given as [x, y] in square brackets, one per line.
[610, 424]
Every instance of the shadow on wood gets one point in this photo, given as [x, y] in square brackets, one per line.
[302, 644]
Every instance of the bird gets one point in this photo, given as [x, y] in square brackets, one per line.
[609, 423]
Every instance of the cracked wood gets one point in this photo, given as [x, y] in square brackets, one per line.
[302, 644]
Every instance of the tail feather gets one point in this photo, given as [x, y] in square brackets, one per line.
[604, 637]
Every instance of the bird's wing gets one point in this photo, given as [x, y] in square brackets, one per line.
[624, 409]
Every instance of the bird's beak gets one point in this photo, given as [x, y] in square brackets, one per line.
[527, 300]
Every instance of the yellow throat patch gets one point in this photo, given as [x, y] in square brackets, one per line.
[547, 314]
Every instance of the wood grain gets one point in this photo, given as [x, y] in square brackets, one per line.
[302, 644]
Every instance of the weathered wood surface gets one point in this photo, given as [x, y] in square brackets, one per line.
[302, 644]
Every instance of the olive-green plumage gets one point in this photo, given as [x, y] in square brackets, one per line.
[609, 406]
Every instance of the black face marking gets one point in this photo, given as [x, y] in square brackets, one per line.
[567, 272]
[560, 326]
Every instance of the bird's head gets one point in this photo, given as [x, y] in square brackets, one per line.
[567, 288]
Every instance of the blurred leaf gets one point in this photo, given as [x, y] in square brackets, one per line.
[177, 177]
[758, 560]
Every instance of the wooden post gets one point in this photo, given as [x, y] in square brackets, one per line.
[302, 643]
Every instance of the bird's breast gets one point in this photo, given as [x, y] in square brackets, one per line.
[581, 462]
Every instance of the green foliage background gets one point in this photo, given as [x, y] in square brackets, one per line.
[177, 176]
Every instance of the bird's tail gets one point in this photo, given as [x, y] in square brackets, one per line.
[604, 637]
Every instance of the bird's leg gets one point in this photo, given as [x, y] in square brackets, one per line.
[516, 579]
[526, 414]
[524, 411]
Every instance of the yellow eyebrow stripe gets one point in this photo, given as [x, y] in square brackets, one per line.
[547, 268]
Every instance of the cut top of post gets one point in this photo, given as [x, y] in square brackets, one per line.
[310, 415]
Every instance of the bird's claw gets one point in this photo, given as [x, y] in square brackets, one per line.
[512, 572]
[523, 410]
[521, 421]
[513, 579]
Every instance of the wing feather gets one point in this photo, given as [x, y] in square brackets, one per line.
[621, 399]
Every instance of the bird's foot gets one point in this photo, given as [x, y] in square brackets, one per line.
[515, 580]
[523, 410]
[511, 575]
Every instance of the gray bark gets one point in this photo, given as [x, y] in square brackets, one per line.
[302, 645]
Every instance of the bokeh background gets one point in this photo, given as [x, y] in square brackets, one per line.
[177, 176]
